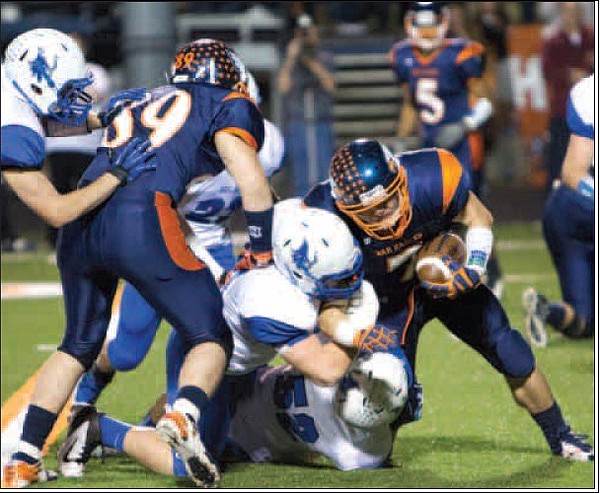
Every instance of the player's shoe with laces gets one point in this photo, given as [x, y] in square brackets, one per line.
[180, 431]
[83, 437]
[536, 308]
[19, 474]
[574, 446]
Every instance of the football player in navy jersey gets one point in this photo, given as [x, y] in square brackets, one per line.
[444, 92]
[136, 234]
[393, 204]
[569, 228]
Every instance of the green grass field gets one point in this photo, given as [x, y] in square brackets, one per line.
[471, 434]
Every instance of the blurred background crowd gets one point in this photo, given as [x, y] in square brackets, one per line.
[325, 78]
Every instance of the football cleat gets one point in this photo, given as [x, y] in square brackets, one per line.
[19, 474]
[574, 446]
[180, 432]
[536, 308]
[83, 438]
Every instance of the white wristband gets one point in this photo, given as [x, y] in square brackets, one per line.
[480, 113]
[479, 242]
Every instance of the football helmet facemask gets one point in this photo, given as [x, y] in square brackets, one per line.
[427, 24]
[47, 68]
[369, 185]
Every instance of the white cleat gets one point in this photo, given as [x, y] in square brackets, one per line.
[535, 306]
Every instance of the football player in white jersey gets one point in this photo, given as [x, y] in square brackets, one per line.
[568, 226]
[275, 310]
[43, 83]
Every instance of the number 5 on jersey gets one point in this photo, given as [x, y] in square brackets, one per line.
[163, 117]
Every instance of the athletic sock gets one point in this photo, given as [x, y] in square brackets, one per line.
[190, 400]
[113, 432]
[36, 428]
[91, 385]
[556, 315]
[552, 423]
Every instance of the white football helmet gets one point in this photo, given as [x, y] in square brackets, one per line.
[252, 87]
[315, 250]
[375, 390]
[427, 24]
[48, 69]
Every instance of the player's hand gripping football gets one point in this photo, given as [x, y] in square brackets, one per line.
[132, 159]
[462, 279]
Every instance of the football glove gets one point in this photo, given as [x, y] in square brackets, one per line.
[252, 260]
[462, 280]
[449, 135]
[131, 160]
[119, 101]
[378, 338]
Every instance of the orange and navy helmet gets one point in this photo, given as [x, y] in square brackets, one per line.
[427, 24]
[369, 185]
[208, 61]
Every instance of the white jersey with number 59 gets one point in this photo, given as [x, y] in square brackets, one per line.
[285, 416]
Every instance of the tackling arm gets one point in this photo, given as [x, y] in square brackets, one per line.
[408, 114]
[580, 153]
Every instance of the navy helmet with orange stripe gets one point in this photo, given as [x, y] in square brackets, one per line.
[369, 185]
[209, 61]
[427, 24]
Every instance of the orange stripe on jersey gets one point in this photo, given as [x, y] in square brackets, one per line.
[411, 312]
[471, 50]
[476, 146]
[236, 95]
[451, 175]
[173, 235]
[242, 134]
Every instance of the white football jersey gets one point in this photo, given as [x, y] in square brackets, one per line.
[283, 313]
[209, 204]
[287, 416]
[580, 111]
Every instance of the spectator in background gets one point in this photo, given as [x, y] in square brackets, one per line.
[68, 157]
[567, 57]
[306, 83]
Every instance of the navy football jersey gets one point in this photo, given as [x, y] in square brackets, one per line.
[438, 190]
[438, 82]
[181, 122]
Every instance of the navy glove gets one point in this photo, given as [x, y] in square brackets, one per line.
[119, 101]
[449, 135]
[462, 280]
[131, 160]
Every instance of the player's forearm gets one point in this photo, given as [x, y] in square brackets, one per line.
[578, 157]
[406, 123]
[72, 205]
[475, 214]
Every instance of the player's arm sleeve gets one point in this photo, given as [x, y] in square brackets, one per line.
[273, 150]
[395, 62]
[22, 148]
[470, 60]
[239, 116]
[273, 332]
[455, 184]
[319, 196]
[577, 121]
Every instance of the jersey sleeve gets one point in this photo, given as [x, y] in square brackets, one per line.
[396, 60]
[320, 197]
[273, 149]
[239, 116]
[580, 114]
[22, 148]
[273, 332]
[470, 60]
[455, 184]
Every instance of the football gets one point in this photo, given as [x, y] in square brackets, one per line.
[430, 267]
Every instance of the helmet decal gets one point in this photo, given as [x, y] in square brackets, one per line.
[301, 258]
[41, 69]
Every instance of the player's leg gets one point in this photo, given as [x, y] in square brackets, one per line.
[87, 297]
[136, 323]
[479, 320]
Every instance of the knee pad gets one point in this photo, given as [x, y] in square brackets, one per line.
[515, 355]
[579, 328]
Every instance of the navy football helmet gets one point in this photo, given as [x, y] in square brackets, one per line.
[209, 61]
[369, 185]
[427, 24]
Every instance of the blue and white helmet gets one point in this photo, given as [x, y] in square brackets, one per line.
[315, 250]
[375, 390]
[48, 69]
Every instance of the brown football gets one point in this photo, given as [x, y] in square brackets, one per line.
[430, 267]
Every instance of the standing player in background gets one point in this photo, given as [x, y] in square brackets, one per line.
[568, 226]
[207, 207]
[443, 91]
[204, 109]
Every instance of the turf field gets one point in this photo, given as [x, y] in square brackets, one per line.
[471, 434]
